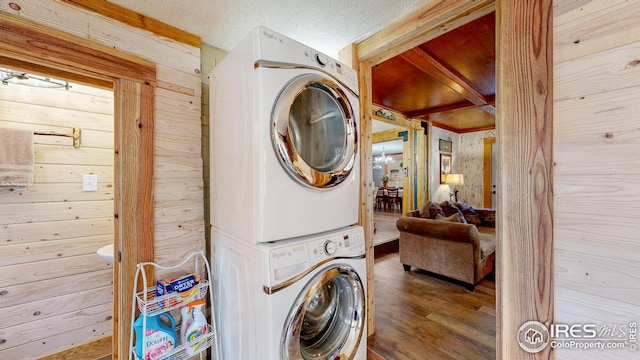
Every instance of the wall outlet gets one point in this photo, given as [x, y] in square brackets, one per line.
[89, 182]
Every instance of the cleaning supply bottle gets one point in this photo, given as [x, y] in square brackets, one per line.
[158, 339]
[194, 325]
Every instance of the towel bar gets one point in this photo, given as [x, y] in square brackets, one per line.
[75, 136]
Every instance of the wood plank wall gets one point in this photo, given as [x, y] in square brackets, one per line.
[178, 183]
[52, 280]
[596, 166]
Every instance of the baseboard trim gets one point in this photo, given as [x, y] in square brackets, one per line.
[92, 350]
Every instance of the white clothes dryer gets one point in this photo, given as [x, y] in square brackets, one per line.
[291, 300]
[284, 141]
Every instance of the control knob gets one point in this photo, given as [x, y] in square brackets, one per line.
[330, 247]
[321, 59]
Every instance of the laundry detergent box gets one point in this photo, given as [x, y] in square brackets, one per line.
[184, 286]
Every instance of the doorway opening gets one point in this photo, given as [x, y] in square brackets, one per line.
[54, 227]
[425, 83]
[133, 81]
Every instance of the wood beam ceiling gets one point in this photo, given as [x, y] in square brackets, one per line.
[431, 66]
[423, 113]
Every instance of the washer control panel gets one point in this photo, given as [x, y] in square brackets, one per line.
[330, 247]
[344, 245]
[289, 259]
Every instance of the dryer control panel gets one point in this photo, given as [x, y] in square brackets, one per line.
[280, 48]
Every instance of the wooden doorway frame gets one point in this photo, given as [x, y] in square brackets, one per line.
[42, 49]
[487, 163]
[524, 261]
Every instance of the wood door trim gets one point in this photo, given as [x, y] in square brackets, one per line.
[424, 24]
[519, 299]
[428, 22]
[134, 81]
[28, 41]
[487, 172]
[524, 123]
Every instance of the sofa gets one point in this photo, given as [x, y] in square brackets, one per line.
[449, 239]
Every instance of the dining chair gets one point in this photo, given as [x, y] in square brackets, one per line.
[393, 200]
[381, 199]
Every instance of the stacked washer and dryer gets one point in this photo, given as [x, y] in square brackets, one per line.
[289, 266]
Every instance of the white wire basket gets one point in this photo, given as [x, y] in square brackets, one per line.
[149, 305]
[156, 305]
[203, 341]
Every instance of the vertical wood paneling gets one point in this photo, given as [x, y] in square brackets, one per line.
[525, 204]
[596, 147]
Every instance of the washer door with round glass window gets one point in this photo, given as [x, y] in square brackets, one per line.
[314, 132]
[327, 319]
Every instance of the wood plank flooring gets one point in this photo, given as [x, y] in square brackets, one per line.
[385, 227]
[421, 317]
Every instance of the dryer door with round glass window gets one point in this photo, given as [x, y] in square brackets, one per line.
[327, 319]
[314, 131]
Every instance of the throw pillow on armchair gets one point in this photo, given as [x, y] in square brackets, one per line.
[430, 209]
[450, 208]
[469, 213]
[445, 209]
[453, 218]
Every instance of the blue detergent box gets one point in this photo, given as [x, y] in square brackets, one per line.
[184, 285]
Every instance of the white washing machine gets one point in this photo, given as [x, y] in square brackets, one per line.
[284, 141]
[297, 299]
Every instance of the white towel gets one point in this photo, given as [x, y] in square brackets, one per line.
[16, 157]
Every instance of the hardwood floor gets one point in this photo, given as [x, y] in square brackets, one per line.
[385, 225]
[422, 317]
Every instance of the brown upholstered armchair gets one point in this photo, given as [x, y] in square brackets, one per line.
[454, 250]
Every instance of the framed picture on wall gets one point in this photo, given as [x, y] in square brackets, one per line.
[445, 166]
[445, 146]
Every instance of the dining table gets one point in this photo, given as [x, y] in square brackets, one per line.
[386, 202]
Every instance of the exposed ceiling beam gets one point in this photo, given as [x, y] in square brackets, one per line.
[431, 66]
[401, 119]
[491, 101]
[439, 109]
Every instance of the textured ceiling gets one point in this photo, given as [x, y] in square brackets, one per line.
[327, 26]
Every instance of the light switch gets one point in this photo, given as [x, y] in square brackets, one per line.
[89, 182]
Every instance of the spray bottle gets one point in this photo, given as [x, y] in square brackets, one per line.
[194, 325]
